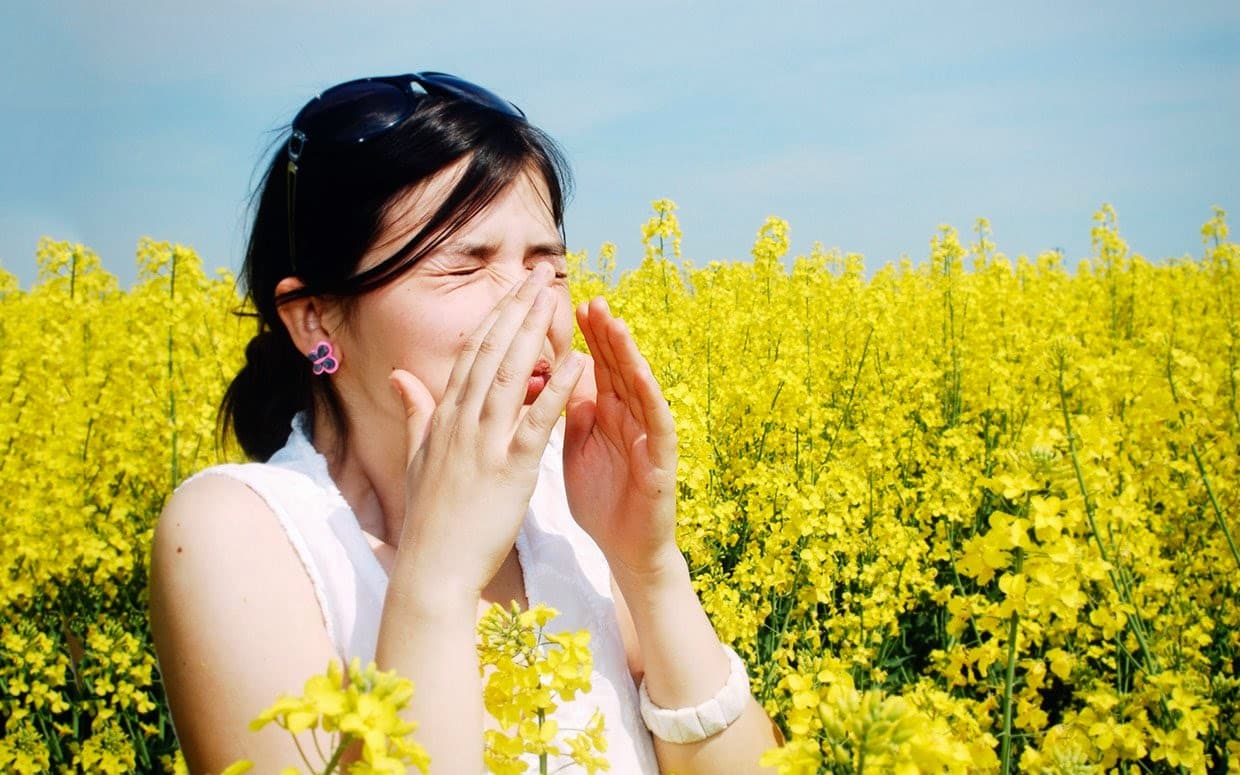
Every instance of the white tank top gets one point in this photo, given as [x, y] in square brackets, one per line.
[561, 565]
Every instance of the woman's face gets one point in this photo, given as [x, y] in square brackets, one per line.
[420, 321]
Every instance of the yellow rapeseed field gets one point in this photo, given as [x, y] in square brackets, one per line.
[971, 515]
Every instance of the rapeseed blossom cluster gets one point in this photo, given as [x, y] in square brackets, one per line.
[106, 403]
[976, 514]
[529, 672]
[366, 708]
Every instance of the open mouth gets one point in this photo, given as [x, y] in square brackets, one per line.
[538, 380]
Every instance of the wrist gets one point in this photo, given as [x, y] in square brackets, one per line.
[695, 723]
[663, 571]
[430, 595]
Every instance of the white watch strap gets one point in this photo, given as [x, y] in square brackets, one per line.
[694, 724]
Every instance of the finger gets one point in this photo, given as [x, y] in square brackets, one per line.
[660, 425]
[534, 430]
[624, 362]
[507, 387]
[469, 351]
[644, 397]
[459, 377]
[582, 313]
[418, 406]
[580, 411]
[586, 390]
[589, 316]
[579, 421]
[509, 325]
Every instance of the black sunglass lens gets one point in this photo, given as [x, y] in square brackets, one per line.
[355, 111]
[459, 87]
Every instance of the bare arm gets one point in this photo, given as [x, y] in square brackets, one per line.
[620, 472]
[235, 624]
[472, 465]
[684, 665]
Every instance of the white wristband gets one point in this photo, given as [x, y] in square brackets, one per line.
[692, 725]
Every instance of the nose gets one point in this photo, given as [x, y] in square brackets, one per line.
[509, 274]
[517, 272]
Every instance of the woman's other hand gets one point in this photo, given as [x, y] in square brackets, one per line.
[620, 452]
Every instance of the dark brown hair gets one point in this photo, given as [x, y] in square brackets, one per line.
[343, 195]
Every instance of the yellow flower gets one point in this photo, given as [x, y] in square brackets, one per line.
[880, 471]
[367, 709]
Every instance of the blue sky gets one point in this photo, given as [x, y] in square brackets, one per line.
[864, 125]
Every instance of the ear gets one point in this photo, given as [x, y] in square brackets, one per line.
[306, 318]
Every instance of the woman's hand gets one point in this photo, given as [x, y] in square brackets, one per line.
[620, 452]
[472, 461]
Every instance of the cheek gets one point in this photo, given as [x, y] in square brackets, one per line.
[423, 342]
[444, 337]
[431, 342]
[444, 340]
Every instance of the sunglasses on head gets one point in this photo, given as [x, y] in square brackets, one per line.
[356, 111]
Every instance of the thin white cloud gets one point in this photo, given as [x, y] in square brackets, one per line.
[864, 125]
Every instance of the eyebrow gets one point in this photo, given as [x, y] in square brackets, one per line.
[484, 250]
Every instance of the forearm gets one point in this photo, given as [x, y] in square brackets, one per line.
[685, 665]
[431, 640]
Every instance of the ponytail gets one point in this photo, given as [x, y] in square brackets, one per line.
[274, 384]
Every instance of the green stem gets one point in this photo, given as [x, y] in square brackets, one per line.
[318, 749]
[172, 395]
[50, 738]
[138, 743]
[1218, 511]
[345, 742]
[1005, 753]
[1134, 622]
[844, 416]
[1201, 468]
[792, 595]
[542, 757]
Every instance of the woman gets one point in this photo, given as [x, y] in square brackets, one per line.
[404, 393]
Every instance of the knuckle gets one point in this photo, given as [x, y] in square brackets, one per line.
[536, 318]
[505, 375]
[524, 440]
[443, 424]
[473, 343]
[493, 457]
[505, 475]
[488, 346]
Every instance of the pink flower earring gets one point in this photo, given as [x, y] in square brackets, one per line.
[325, 361]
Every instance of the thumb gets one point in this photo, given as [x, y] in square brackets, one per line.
[418, 405]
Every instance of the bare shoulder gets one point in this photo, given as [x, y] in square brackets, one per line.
[216, 529]
[207, 502]
[235, 622]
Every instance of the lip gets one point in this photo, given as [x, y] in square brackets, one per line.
[540, 375]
